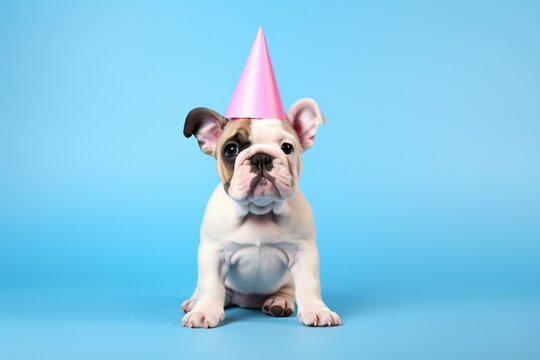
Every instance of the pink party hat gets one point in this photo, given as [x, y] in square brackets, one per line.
[257, 93]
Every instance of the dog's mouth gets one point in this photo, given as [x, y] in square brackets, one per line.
[263, 185]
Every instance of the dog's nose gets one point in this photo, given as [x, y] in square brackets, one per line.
[262, 161]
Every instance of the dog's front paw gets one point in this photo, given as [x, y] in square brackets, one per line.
[203, 317]
[319, 317]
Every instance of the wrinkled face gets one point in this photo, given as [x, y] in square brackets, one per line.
[258, 160]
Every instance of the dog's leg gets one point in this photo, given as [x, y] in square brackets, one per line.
[208, 310]
[281, 303]
[312, 311]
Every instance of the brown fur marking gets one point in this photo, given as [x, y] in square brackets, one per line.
[238, 130]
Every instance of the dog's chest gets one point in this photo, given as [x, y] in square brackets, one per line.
[256, 268]
[258, 239]
[258, 255]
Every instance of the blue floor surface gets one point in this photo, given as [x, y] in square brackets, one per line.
[109, 325]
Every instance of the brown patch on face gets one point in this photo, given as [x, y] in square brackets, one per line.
[237, 130]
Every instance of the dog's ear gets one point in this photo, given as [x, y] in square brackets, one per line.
[305, 118]
[207, 125]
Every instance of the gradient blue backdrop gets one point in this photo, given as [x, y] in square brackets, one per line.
[425, 182]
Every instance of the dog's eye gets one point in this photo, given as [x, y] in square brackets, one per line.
[287, 148]
[231, 150]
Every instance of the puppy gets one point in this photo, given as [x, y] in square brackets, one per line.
[257, 239]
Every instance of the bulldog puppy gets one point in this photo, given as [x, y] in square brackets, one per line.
[257, 239]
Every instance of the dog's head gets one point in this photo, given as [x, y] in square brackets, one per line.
[258, 160]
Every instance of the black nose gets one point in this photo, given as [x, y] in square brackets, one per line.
[262, 161]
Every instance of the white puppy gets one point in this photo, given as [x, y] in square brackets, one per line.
[257, 246]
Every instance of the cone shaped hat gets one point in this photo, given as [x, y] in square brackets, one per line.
[257, 94]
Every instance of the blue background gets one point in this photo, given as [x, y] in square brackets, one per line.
[425, 182]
